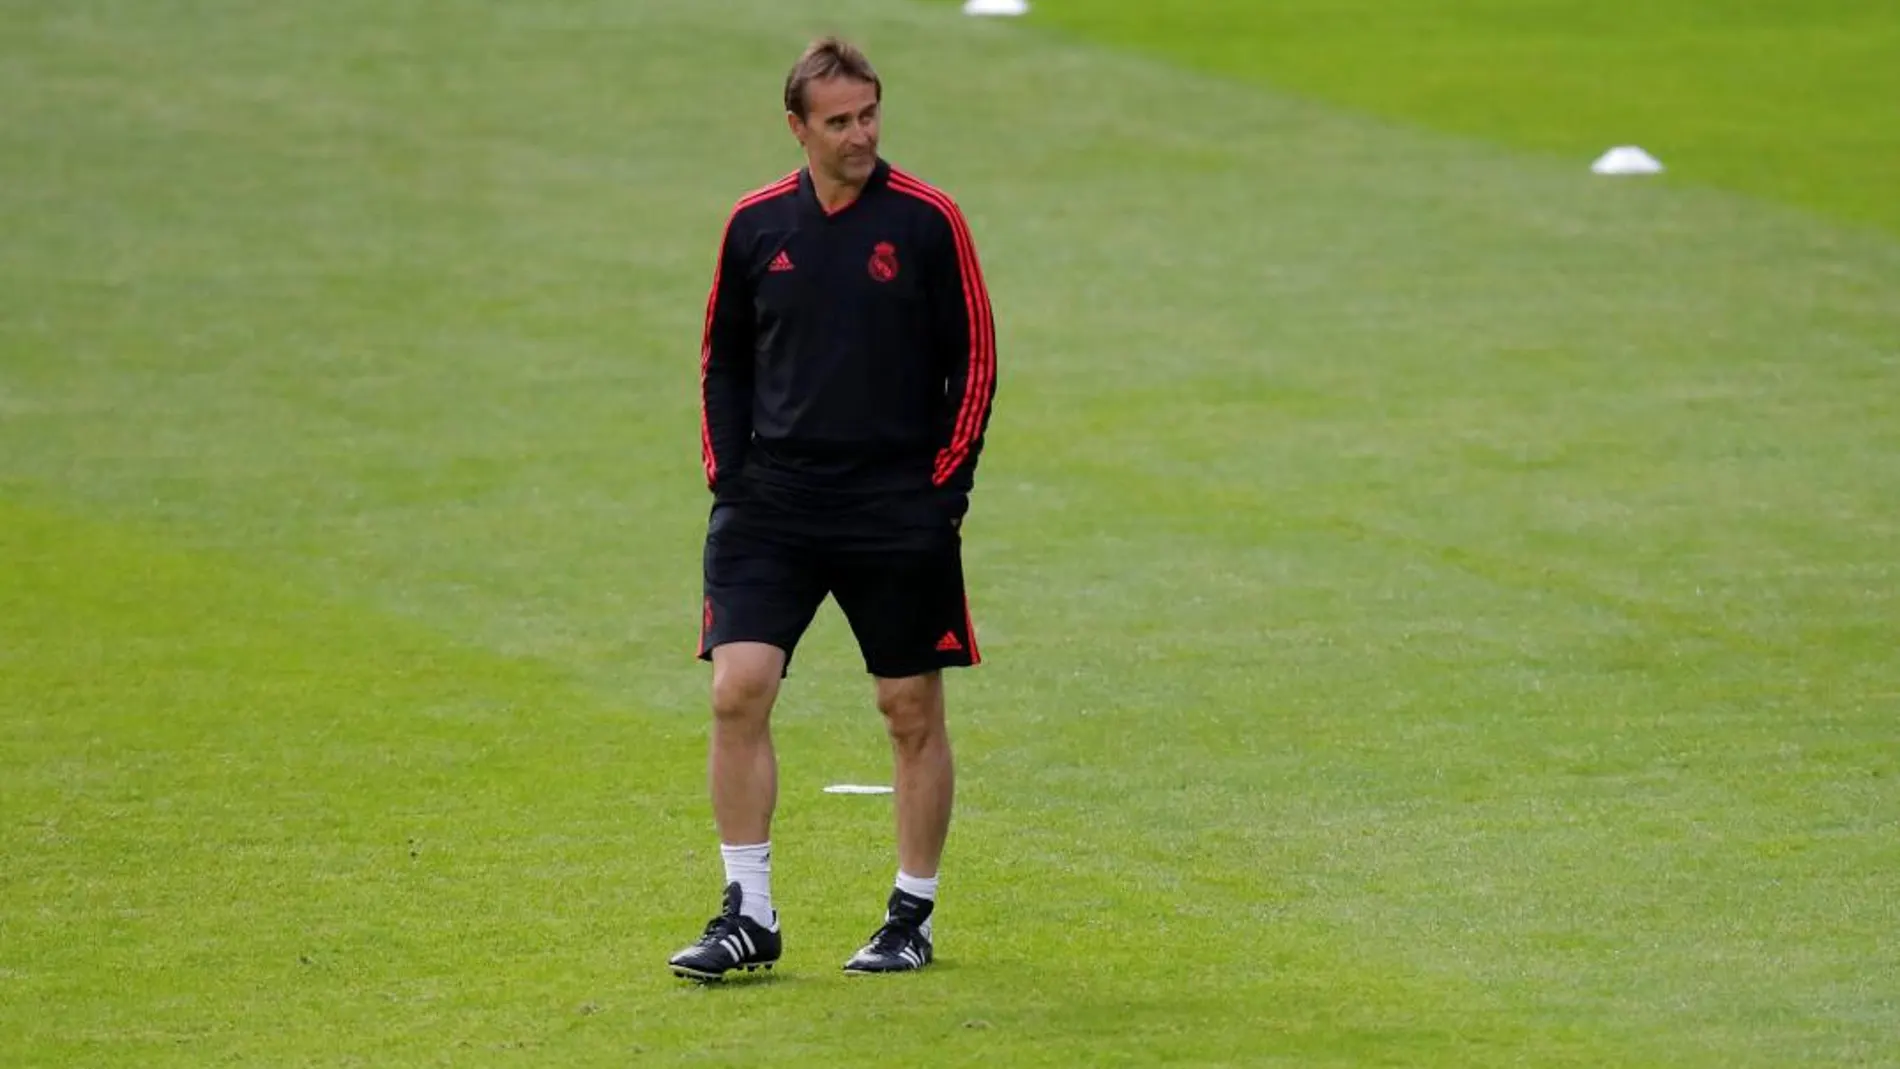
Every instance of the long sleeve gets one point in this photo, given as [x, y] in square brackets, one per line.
[960, 307]
[726, 367]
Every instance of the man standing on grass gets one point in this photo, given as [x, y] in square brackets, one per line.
[847, 371]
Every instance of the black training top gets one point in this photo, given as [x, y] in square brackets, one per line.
[847, 352]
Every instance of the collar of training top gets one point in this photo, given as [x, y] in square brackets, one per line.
[808, 194]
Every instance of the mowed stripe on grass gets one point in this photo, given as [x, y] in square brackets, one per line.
[248, 822]
[1790, 100]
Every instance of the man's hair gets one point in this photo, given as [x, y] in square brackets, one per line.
[827, 58]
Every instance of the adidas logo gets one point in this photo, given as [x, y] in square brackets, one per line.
[781, 262]
[948, 642]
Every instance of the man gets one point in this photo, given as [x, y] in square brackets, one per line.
[847, 372]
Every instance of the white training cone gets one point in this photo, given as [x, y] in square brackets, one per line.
[1626, 159]
[856, 788]
[996, 7]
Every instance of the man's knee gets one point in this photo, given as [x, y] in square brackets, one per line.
[912, 708]
[745, 680]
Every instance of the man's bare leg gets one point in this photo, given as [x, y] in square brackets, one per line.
[913, 711]
[742, 774]
[742, 769]
[926, 786]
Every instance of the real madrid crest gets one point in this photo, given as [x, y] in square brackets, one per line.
[884, 261]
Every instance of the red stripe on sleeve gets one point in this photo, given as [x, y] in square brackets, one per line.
[709, 460]
[982, 371]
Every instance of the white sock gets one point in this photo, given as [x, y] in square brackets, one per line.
[751, 868]
[919, 887]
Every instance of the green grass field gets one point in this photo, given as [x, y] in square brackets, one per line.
[1440, 605]
[1785, 100]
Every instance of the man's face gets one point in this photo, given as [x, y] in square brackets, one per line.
[839, 130]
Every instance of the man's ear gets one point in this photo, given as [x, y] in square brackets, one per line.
[792, 124]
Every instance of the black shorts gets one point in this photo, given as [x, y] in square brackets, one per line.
[895, 568]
